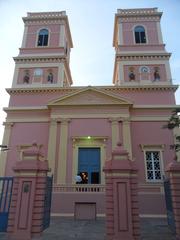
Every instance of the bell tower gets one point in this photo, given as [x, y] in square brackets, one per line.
[44, 56]
[141, 58]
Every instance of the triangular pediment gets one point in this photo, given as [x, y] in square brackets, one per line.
[90, 96]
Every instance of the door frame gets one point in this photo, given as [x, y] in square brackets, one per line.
[94, 143]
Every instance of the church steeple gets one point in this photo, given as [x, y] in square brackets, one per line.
[44, 56]
[141, 58]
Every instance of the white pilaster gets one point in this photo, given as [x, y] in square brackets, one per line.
[23, 45]
[127, 136]
[160, 38]
[168, 71]
[63, 148]
[121, 73]
[115, 131]
[62, 42]
[120, 34]
[60, 74]
[3, 155]
[52, 144]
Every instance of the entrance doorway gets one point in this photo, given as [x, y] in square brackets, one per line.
[89, 165]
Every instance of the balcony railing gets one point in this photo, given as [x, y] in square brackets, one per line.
[95, 188]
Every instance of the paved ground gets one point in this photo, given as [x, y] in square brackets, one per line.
[68, 229]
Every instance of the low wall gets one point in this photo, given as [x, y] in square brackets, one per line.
[63, 203]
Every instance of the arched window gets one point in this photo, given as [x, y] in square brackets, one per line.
[43, 37]
[140, 36]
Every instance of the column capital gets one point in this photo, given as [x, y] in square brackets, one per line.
[64, 120]
[53, 121]
[115, 119]
[126, 120]
[8, 124]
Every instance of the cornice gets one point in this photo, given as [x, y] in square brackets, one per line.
[106, 88]
[138, 14]
[137, 18]
[16, 109]
[162, 107]
[30, 59]
[144, 56]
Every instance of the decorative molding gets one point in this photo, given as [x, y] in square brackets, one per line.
[143, 56]
[11, 109]
[8, 124]
[145, 147]
[68, 90]
[164, 107]
[38, 59]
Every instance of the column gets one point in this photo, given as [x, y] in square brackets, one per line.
[121, 72]
[52, 144]
[63, 148]
[122, 211]
[127, 136]
[3, 155]
[62, 36]
[174, 174]
[23, 45]
[120, 34]
[160, 38]
[115, 131]
[60, 74]
[168, 71]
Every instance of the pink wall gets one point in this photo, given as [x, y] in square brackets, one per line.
[65, 202]
[25, 133]
[54, 32]
[84, 128]
[21, 74]
[145, 76]
[136, 47]
[137, 97]
[152, 204]
[150, 133]
[151, 34]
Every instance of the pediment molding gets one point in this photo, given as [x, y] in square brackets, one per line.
[90, 96]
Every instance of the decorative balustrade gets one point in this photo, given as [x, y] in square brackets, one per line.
[46, 14]
[137, 11]
[79, 188]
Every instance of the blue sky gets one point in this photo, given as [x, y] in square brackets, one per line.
[91, 24]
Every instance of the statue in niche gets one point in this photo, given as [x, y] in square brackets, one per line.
[26, 77]
[156, 74]
[50, 77]
[132, 76]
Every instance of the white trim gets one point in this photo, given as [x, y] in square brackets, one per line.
[154, 149]
[23, 45]
[160, 38]
[62, 36]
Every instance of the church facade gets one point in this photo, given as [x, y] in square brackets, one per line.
[78, 127]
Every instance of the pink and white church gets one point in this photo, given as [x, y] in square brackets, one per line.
[78, 127]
